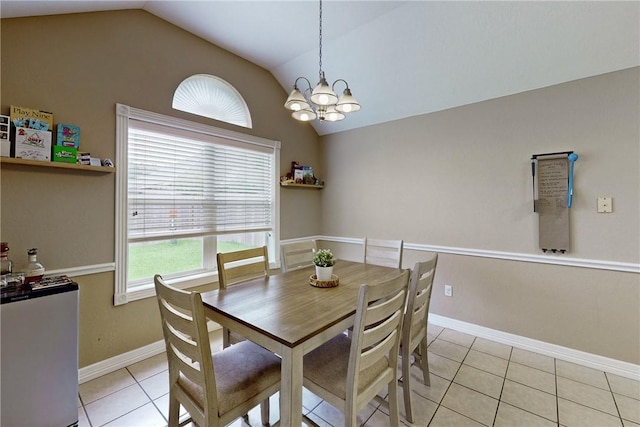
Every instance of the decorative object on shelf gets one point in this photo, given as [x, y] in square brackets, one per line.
[324, 262]
[321, 103]
[331, 283]
[300, 176]
[34, 270]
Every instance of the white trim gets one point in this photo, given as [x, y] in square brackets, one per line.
[120, 361]
[123, 360]
[84, 270]
[511, 256]
[122, 294]
[601, 363]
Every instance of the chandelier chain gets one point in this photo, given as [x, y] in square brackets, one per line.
[320, 44]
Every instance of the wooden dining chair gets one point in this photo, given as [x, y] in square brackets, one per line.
[215, 389]
[298, 255]
[414, 327]
[237, 267]
[349, 372]
[387, 253]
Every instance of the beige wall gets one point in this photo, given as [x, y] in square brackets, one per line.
[78, 67]
[458, 178]
[461, 178]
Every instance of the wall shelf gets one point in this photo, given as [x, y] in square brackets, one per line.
[317, 187]
[57, 165]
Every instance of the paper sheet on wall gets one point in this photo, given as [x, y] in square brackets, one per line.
[553, 214]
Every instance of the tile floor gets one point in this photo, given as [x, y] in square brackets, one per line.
[474, 382]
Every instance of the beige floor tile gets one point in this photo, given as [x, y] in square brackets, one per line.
[510, 416]
[162, 403]
[629, 408]
[626, 423]
[445, 417]
[116, 405]
[534, 360]
[587, 395]
[309, 400]
[493, 348]
[434, 329]
[572, 414]
[486, 362]
[378, 419]
[530, 400]
[156, 385]
[105, 385]
[582, 374]
[532, 377]
[82, 418]
[480, 381]
[624, 386]
[145, 416]
[443, 367]
[316, 419]
[470, 403]
[435, 391]
[422, 408]
[149, 367]
[449, 350]
[456, 337]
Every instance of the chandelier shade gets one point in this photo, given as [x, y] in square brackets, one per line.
[321, 103]
[296, 101]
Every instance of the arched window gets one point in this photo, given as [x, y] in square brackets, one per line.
[210, 96]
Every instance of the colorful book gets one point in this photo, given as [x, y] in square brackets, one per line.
[68, 135]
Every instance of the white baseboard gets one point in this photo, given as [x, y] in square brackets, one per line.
[123, 360]
[606, 364]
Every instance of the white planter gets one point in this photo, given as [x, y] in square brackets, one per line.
[324, 273]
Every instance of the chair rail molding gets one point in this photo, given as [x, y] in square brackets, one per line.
[511, 256]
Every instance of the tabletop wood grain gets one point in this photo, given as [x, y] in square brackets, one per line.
[287, 308]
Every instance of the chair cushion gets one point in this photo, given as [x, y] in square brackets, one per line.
[327, 367]
[242, 371]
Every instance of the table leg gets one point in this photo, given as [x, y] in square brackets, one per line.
[291, 387]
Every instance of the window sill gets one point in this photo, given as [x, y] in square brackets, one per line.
[148, 291]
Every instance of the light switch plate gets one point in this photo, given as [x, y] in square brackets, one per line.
[605, 205]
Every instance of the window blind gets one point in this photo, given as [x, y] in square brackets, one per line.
[184, 183]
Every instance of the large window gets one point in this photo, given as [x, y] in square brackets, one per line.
[186, 191]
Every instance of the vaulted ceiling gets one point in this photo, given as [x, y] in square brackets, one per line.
[404, 58]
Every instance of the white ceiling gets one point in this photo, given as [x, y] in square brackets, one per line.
[404, 58]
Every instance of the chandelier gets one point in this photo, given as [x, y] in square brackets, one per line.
[321, 103]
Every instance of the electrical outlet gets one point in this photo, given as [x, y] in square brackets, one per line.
[448, 290]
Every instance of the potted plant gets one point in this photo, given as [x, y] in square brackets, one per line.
[324, 262]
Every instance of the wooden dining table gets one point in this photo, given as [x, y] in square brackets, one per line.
[285, 314]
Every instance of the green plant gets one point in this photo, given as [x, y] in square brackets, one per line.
[324, 258]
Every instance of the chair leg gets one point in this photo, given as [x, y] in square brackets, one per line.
[174, 412]
[424, 361]
[394, 412]
[406, 383]
[226, 337]
[264, 412]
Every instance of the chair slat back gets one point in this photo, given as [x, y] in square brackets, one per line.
[387, 253]
[188, 349]
[239, 266]
[298, 255]
[376, 335]
[418, 300]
